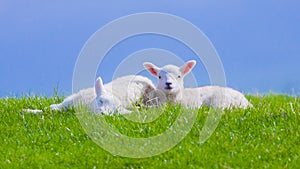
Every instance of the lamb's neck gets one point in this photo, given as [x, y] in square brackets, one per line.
[174, 97]
[171, 97]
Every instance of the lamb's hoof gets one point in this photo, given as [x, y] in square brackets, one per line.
[55, 107]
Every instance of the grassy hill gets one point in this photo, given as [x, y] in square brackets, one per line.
[266, 136]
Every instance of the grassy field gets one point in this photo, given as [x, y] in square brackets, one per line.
[266, 136]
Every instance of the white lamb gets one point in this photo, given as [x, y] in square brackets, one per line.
[123, 93]
[109, 98]
[170, 81]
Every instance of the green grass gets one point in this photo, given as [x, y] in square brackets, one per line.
[266, 136]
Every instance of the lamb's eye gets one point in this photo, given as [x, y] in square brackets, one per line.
[179, 76]
[159, 77]
[100, 101]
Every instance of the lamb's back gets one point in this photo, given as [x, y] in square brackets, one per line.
[129, 89]
[215, 96]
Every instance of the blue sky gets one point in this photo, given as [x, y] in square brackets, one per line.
[258, 41]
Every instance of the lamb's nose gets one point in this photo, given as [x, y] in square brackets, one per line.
[168, 83]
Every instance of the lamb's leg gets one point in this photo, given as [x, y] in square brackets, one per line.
[68, 102]
[56, 106]
[34, 111]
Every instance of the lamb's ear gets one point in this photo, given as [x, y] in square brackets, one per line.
[151, 68]
[99, 87]
[187, 67]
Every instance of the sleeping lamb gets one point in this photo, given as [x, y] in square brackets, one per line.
[109, 98]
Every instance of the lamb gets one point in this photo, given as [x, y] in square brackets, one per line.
[109, 98]
[170, 82]
[122, 93]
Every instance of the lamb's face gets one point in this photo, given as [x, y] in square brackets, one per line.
[107, 103]
[170, 79]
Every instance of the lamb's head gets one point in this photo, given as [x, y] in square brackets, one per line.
[106, 102]
[170, 77]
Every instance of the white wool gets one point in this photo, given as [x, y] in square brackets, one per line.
[121, 93]
[129, 89]
[214, 96]
[170, 82]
